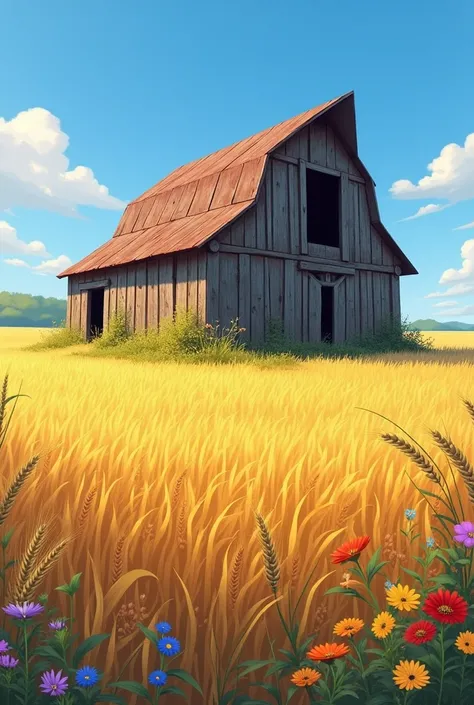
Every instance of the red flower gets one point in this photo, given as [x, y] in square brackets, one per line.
[350, 550]
[446, 607]
[420, 632]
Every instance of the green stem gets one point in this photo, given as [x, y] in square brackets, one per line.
[4, 582]
[362, 667]
[461, 688]
[71, 617]
[405, 699]
[361, 573]
[25, 637]
[441, 682]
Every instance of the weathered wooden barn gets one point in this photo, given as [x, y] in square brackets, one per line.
[282, 225]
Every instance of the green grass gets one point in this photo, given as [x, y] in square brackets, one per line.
[57, 338]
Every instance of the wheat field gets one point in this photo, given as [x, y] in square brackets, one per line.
[158, 471]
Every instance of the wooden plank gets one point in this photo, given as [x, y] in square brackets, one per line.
[281, 229]
[376, 246]
[292, 148]
[370, 302]
[257, 319]
[266, 297]
[140, 296]
[293, 209]
[364, 227]
[106, 306]
[68, 302]
[275, 268]
[244, 295]
[330, 148]
[356, 303]
[298, 325]
[202, 285]
[364, 314]
[192, 304]
[228, 289]
[131, 295]
[261, 223]
[289, 301]
[224, 236]
[377, 294]
[387, 255]
[395, 298]
[304, 305]
[324, 251]
[339, 323]
[269, 204]
[350, 307]
[212, 287]
[317, 267]
[152, 300]
[385, 297]
[181, 284]
[166, 288]
[303, 209]
[314, 310]
[75, 303]
[84, 307]
[354, 238]
[342, 158]
[237, 233]
[317, 142]
[250, 228]
[344, 217]
[113, 276]
[323, 169]
[122, 290]
[303, 135]
[97, 284]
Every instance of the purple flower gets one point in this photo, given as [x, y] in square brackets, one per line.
[53, 684]
[25, 611]
[464, 533]
[57, 624]
[4, 646]
[8, 661]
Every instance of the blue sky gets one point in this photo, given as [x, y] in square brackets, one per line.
[121, 94]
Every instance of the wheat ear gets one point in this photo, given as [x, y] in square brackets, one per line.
[15, 487]
[118, 563]
[415, 456]
[458, 459]
[86, 506]
[31, 585]
[470, 408]
[29, 558]
[3, 402]
[234, 580]
[270, 558]
[177, 490]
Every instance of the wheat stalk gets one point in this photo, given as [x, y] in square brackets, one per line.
[343, 516]
[415, 456]
[234, 580]
[470, 408]
[12, 492]
[177, 489]
[30, 586]
[29, 557]
[458, 459]
[182, 526]
[117, 562]
[86, 506]
[270, 558]
[3, 402]
[295, 571]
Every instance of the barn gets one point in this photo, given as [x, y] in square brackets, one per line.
[282, 226]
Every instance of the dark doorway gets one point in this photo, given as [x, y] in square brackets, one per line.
[327, 313]
[96, 313]
[322, 208]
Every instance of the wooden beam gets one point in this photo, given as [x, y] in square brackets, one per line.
[323, 169]
[101, 284]
[330, 268]
[315, 167]
[385, 268]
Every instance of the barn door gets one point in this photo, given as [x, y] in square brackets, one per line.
[326, 308]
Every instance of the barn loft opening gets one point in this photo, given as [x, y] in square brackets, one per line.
[322, 208]
[96, 313]
[327, 313]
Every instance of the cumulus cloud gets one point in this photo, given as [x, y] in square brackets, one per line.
[10, 243]
[446, 304]
[464, 311]
[457, 290]
[451, 176]
[466, 271]
[34, 170]
[16, 262]
[426, 210]
[48, 267]
[466, 227]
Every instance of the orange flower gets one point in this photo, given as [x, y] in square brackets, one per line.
[305, 677]
[351, 550]
[327, 652]
[348, 627]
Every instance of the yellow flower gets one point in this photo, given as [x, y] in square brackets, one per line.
[348, 627]
[465, 642]
[305, 677]
[409, 675]
[382, 625]
[401, 597]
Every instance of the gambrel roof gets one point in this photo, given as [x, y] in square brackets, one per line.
[193, 203]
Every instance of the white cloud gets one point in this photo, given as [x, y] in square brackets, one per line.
[451, 176]
[16, 262]
[34, 168]
[464, 311]
[50, 266]
[466, 272]
[426, 210]
[10, 244]
[457, 290]
[466, 227]
[446, 304]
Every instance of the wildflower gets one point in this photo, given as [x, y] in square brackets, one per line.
[410, 514]
[87, 676]
[158, 678]
[4, 646]
[53, 684]
[305, 677]
[420, 632]
[327, 652]
[43, 597]
[163, 627]
[465, 642]
[57, 624]
[409, 675]
[169, 646]
[348, 627]
[351, 550]
[24, 611]
[464, 533]
[401, 597]
[446, 607]
[348, 582]
[383, 625]
[430, 542]
[388, 584]
[8, 661]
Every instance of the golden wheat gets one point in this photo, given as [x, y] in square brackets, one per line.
[118, 561]
[31, 586]
[458, 459]
[3, 402]
[270, 558]
[234, 579]
[12, 492]
[415, 456]
[30, 556]
[86, 507]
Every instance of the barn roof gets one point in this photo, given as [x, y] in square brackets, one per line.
[193, 203]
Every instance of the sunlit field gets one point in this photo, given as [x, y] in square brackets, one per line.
[159, 469]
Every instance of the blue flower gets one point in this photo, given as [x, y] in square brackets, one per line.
[388, 584]
[158, 678]
[410, 514]
[163, 627]
[431, 543]
[169, 646]
[87, 676]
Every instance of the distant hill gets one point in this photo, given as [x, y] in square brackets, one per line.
[429, 324]
[24, 310]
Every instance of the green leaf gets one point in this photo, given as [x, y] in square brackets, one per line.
[50, 653]
[132, 687]
[186, 677]
[346, 591]
[173, 690]
[252, 665]
[413, 574]
[279, 667]
[444, 580]
[5, 540]
[109, 698]
[345, 691]
[291, 691]
[462, 561]
[271, 689]
[87, 646]
[374, 565]
[151, 636]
